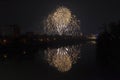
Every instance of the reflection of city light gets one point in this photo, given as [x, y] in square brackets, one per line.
[4, 40]
[24, 52]
[61, 21]
[62, 58]
[5, 55]
[54, 38]
[41, 40]
[47, 39]
[93, 42]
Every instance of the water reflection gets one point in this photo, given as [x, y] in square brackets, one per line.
[62, 58]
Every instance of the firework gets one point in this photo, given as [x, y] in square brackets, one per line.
[62, 58]
[61, 22]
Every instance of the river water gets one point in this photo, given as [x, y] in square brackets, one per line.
[70, 62]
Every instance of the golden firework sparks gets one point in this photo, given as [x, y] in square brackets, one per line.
[61, 21]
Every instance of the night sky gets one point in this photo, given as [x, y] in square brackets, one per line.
[29, 14]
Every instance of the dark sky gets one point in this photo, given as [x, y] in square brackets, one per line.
[30, 13]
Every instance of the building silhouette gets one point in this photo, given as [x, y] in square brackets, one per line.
[10, 30]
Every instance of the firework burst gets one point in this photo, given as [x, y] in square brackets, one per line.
[61, 22]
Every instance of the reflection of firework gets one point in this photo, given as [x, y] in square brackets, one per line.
[61, 21]
[62, 58]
